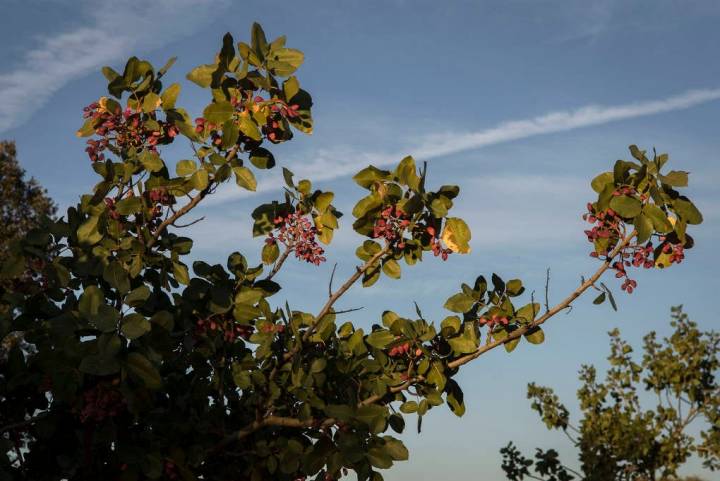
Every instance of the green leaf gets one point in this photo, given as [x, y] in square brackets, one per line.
[88, 233]
[644, 226]
[219, 112]
[528, 312]
[687, 210]
[675, 178]
[151, 161]
[600, 181]
[462, 345]
[262, 158]
[658, 217]
[511, 344]
[163, 70]
[391, 268]
[106, 318]
[137, 296]
[202, 75]
[98, 365]
[409, 407]
[250, 128]
[90, 301]
[270, 253]
[129, 205]
[459, 303]
[258, 41]
[284, 61]
[450, 325]
[151, 102]
[134, 325]
[200, 179]
[456, 235]
[231, 134]
[323, 201]
[535, 335]
[626, 206]
[407, 173]
[180, 271]
[369, 175]
[186, 167]
[380, 339]
[396, 449]
[291, 87]
[142, 368]
[600, 299]
[245, 178]
[115, 275]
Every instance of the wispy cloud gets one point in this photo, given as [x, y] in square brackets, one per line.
[332, 163]
[111, 30]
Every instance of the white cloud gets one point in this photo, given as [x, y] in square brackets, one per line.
[332, 163]
[113, 30]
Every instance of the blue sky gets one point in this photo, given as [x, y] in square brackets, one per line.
[520, 102]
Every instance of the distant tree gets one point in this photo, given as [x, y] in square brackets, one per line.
[618, 438]
[23, 206]
[23, 203]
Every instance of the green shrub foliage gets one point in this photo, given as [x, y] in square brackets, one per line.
[618, 437]
[144, 368]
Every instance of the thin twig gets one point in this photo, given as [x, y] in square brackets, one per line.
[278, 265]
[547, 290]
[345, 311]
[182, 226]
[332, 276]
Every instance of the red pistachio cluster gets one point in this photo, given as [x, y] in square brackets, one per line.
[492, 321]
[120, 130]
[391, 225]
[608, 225]
[275, 111]
[404, 350]
[170, 470]
[437, 248]
[101, 402]
[224, 326]
[296, 232]
[267, 328]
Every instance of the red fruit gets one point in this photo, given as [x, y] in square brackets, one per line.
[418, 352]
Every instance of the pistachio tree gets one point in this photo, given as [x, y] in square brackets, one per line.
[644, 421]
[143, 367]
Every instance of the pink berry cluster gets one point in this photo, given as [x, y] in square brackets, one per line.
[391, 225]
[224, 326]
[608, 225]
[296, 232]
[120, 130]
[437, 249]
[492, 321]
[101, 402]
[275, 110]
[268, 328]
[170, 470]
[404, 349]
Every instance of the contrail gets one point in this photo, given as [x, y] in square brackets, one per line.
[332, 163]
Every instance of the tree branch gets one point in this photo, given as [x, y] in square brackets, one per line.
[194, 201]
[277, 421]
[278, 265]
[343, 289]
[559, 307]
